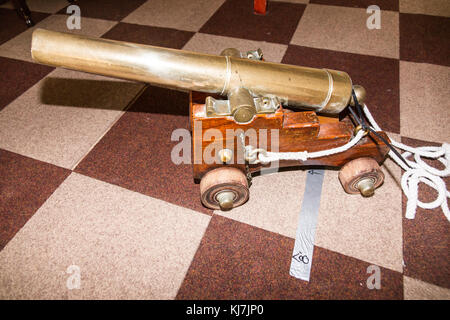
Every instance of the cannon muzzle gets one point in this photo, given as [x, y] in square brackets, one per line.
[321, 90]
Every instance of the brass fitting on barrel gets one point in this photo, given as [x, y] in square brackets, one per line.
[231, 52]
[360, 94]
[242, 105]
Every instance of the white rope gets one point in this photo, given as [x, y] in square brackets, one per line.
[415, 172]
[418, 171]
[262, 156]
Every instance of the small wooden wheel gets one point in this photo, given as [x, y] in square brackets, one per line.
[361, 175]
[224, 188]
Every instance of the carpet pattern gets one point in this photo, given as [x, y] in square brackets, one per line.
[88, 190]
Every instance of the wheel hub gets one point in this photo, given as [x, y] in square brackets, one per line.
[366, 187]
[225, 199]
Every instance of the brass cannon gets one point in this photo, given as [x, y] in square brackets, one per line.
[240, 92]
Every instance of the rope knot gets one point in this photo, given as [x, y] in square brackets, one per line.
[251, 154]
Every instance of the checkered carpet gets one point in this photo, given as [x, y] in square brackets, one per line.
[86, 177]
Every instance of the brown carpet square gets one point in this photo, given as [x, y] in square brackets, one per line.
[25, 184]
[18, 76]
[11, 24]
[238, 261]
[424, 38]
[106, 9]
[236, 19]
[155, 36]
[136, 151]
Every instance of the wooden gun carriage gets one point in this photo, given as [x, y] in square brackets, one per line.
[288, 109]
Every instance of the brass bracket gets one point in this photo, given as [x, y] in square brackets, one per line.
[255, 54]
[217, 108]
[241, 104]
[251, 54]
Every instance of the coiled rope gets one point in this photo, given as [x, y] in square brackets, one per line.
[416, 171]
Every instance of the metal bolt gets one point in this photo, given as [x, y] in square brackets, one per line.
[244, 114]
[360, 93]
[225, 155]
[225, 199]
[366, 187]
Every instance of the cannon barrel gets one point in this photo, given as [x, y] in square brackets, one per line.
[322, 90]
